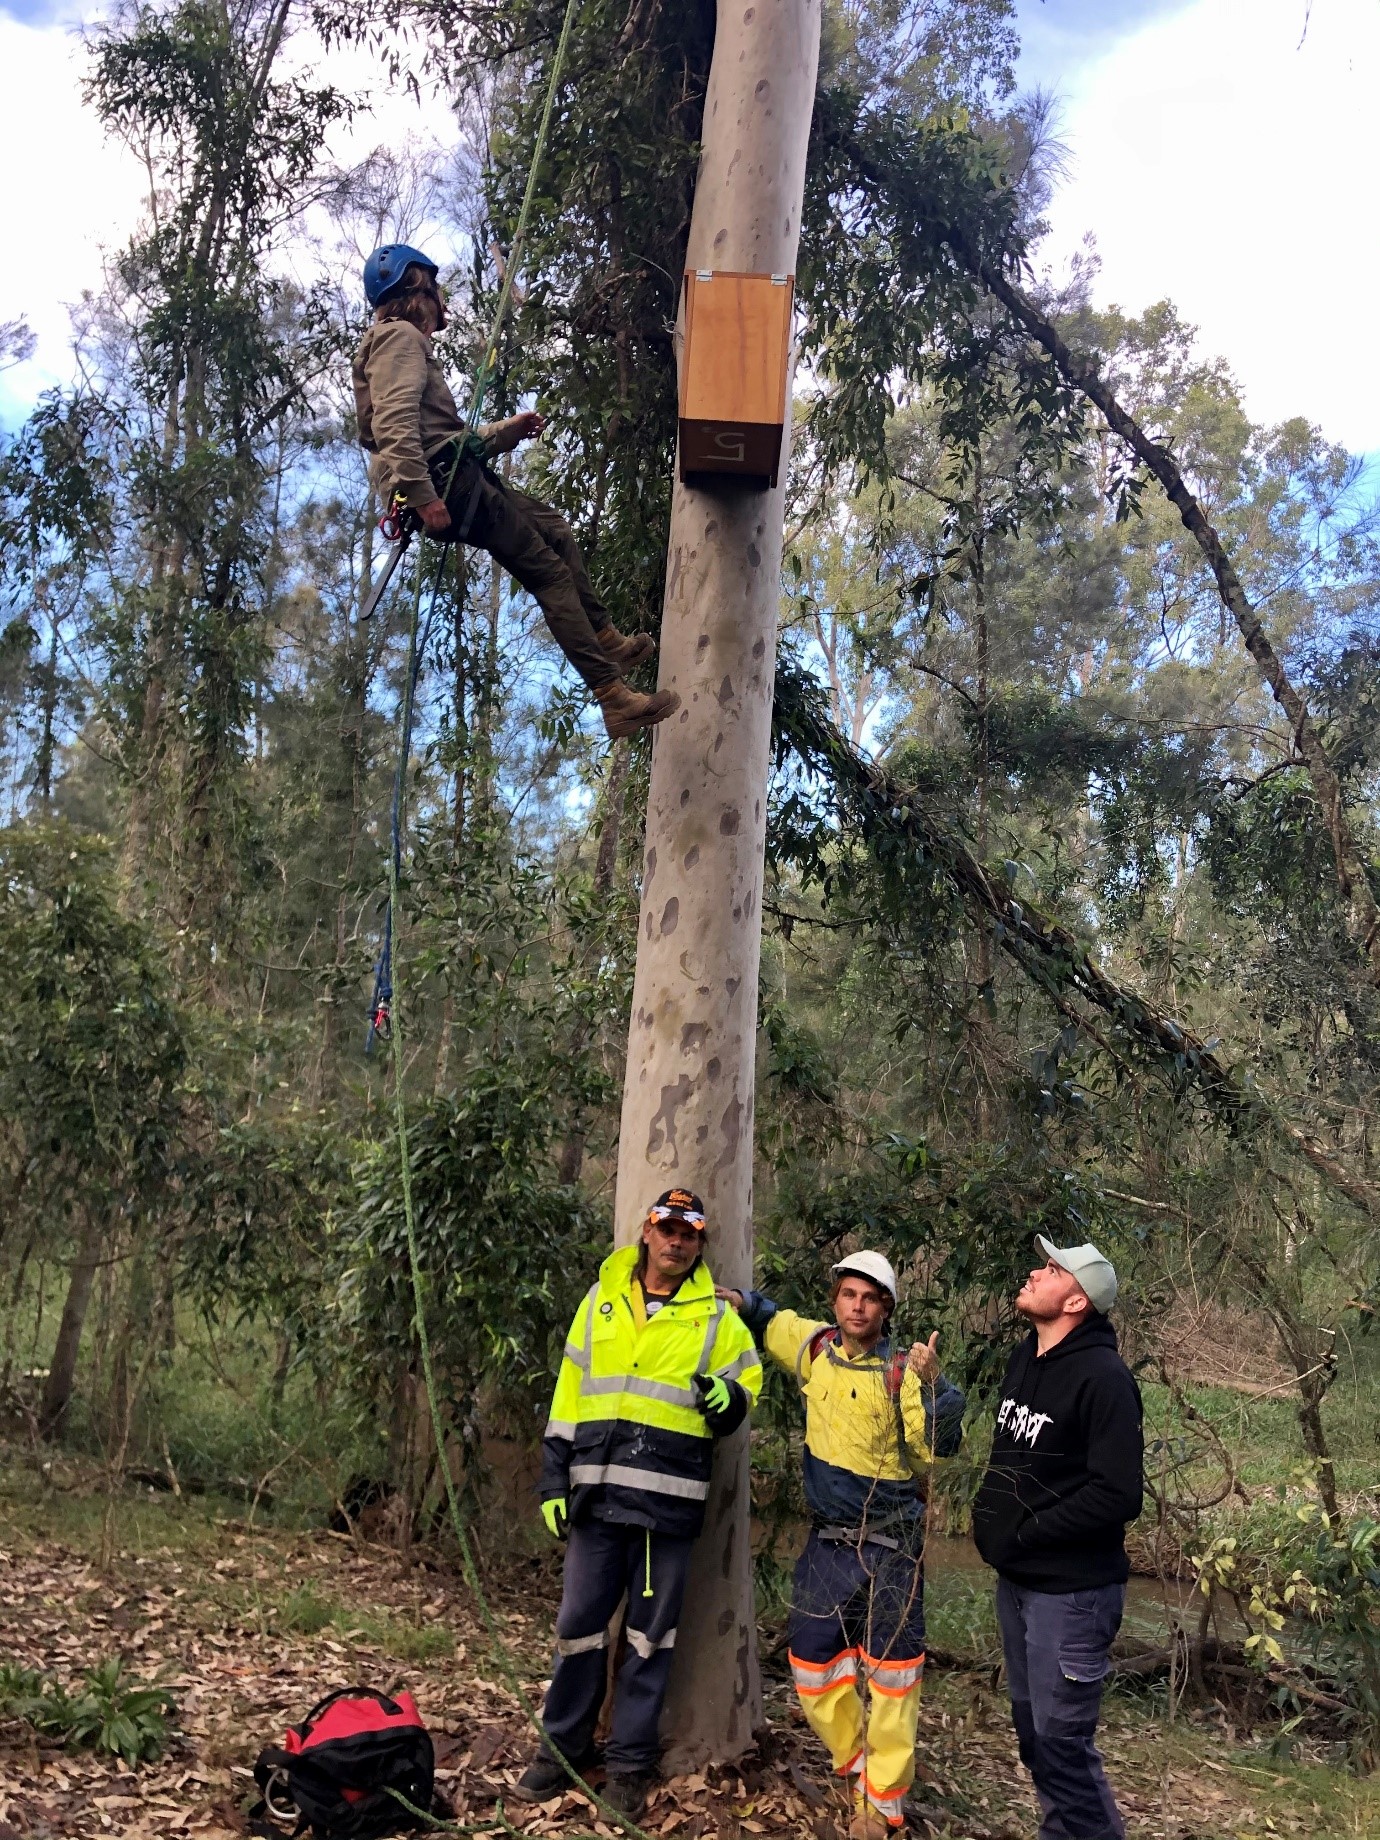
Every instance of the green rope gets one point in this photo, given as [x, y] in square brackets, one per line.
[481, 378]
[488, 358]
[471, 1571]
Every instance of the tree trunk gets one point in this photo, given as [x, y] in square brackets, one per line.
[57, 1390]
[688, 1098]
[48, 699]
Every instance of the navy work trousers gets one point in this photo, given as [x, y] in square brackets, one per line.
[863, 1599]
[603, 1559]
[1057, 1646]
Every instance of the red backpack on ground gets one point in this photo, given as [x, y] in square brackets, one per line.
[334, 1772]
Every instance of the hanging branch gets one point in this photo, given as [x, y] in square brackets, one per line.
[886, 814]
[947, 214]
[1353, 881]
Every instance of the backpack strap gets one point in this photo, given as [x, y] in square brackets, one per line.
[813, 1347]
[893, 1377]
[390, 1706]
[271, 1768]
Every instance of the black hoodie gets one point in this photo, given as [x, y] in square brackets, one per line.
[1065, 1472]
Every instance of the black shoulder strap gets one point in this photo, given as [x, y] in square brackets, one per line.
[390, 1706]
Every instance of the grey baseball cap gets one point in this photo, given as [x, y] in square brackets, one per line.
[1095, 1274]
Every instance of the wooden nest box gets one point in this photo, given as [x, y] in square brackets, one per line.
[734, 374]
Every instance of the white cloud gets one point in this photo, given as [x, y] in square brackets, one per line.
[72, 194]
[1222, 164]
[67, 191]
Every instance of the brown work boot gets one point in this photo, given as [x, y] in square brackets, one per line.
[868, 1823]
[623, 651]
[625, 711]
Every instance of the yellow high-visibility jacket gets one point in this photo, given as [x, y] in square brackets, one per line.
[626, 1440]
[871, 1428]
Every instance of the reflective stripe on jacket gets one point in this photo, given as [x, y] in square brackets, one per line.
[857, 1471]
[626, 1439]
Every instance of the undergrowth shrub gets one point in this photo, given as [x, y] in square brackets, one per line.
[114, 1712]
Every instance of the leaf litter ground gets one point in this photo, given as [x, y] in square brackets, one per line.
[249, 1626]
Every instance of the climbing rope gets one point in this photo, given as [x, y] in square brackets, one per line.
[386, 978]
[414, 1261]
[381, 1003]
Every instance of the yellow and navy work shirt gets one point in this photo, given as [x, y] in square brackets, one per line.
[626, 1440]
[866, 1443]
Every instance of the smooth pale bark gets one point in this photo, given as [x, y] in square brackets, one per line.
[688, 1098]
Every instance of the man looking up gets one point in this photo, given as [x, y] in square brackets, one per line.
[655, 1368]
[874, 1421]
[409, 423]
[1064, 1478]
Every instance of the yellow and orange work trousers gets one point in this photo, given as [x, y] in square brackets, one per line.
[858, 1621]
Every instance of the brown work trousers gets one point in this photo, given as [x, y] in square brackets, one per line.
[533, 542]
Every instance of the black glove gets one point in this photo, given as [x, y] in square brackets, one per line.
[723, 1402]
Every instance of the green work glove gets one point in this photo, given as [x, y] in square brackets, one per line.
[557, 1519]
[723, 1402]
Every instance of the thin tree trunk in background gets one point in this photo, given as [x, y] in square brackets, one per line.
[605, 868]
[43, 765]
[692, 1040]
[57, 1390]
[1353, 883]
[983, 649]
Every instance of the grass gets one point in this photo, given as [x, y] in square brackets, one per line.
[214, 1414]
[63, 1498]
[305, 1612]
[961, 1615]
[1310, 1797]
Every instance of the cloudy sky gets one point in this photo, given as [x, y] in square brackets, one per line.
[1218, 153]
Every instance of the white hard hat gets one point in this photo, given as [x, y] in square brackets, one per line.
[869, 1265]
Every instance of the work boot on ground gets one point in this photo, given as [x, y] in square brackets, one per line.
[628, 1793]
[544, 1779]
[868, 1823]
[623, 650]
[625, 711]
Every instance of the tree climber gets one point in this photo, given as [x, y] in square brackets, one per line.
[409, 423]
[874, 1420]
[656, 1368]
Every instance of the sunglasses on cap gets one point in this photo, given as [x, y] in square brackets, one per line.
[687, 1216]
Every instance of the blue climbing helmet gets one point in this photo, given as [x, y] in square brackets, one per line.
[384, 270]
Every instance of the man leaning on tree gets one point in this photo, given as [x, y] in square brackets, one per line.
[656, 1368]
[1064, 1478]
[875, 1419]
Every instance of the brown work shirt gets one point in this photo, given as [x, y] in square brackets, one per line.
[406, 412]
